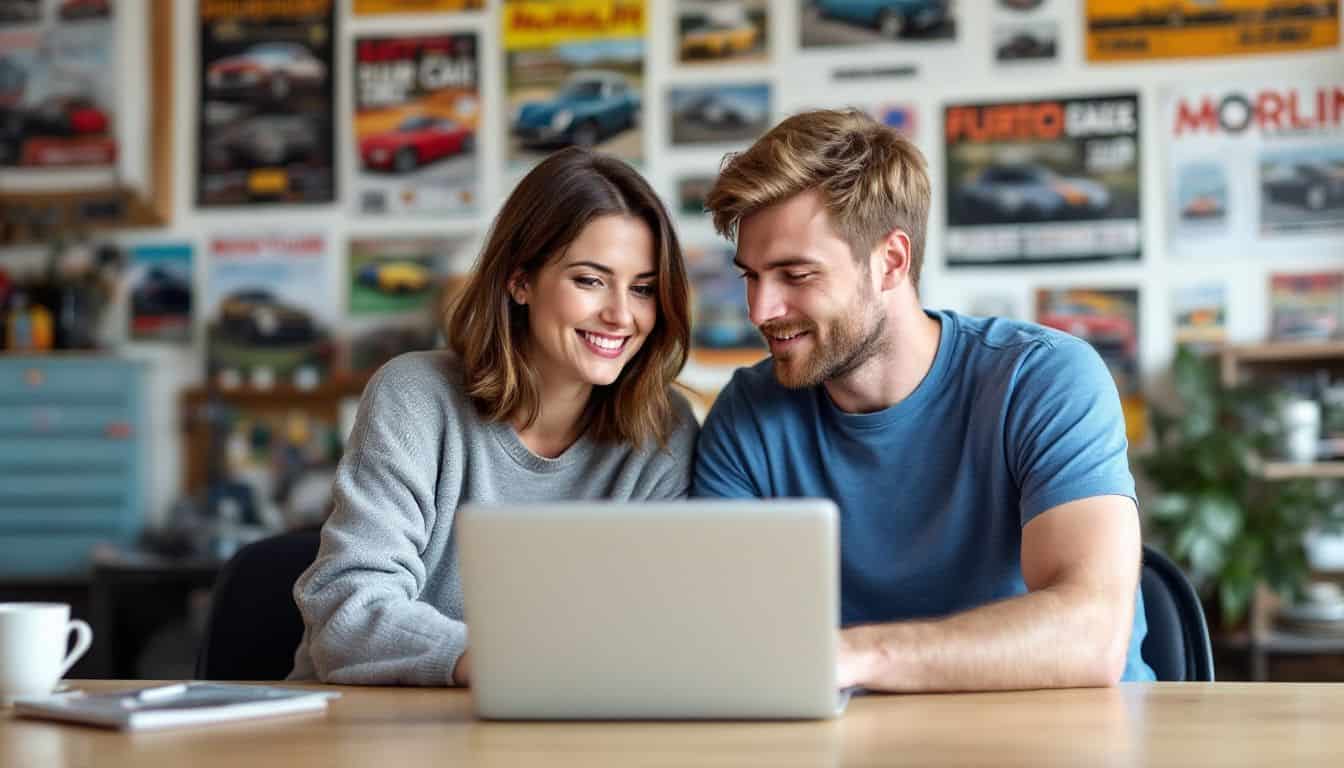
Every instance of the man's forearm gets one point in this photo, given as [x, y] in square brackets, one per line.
[1058, 637]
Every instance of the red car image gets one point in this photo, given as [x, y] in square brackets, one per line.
[67, 116]
[414, 142]
[269, 69]
[1109, 333]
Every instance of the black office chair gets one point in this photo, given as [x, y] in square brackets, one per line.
[254, 626]
[1177, 646]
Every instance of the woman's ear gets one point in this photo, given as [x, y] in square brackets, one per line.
[517, 286]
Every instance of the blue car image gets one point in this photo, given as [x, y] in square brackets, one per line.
[891, 18]
[589, 107]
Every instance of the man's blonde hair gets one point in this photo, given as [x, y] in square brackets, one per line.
[872, 179]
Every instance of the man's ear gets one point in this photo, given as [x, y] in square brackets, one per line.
[517, 286]
[893, 255]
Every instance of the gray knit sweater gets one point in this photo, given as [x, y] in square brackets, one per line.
[382, 604]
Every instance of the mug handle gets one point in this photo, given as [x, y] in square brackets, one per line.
[83, 639]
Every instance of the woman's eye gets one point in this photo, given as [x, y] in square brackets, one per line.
[643, 290]
[587, 282]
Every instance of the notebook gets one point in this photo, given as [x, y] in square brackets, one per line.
[171, 706]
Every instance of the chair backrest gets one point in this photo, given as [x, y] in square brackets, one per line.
[1177, 646]
[254, 626]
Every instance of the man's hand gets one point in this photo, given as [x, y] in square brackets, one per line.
[853, 658]
[462, 670]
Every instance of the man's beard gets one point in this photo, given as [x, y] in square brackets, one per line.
[846, 348]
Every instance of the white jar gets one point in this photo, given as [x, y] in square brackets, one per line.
[1301, 421]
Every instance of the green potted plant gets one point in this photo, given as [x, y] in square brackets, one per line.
[1229, 529]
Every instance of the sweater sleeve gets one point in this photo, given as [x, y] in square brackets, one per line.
[671, 470]
[363, 621]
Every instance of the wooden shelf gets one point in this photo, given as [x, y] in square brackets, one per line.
[1284, 470]
[1278, 355]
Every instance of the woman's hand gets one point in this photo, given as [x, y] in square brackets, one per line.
[462, 670]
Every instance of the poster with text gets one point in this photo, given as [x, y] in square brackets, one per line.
[374, 7]
[574, 76]
[268, 319]
[1043, 181]
[160, 282]
[722, 31]
[266, 120]
[58, 89]
[1200, 315]
[417, 111]
[1108, 319]
[395, 288]
[1255, 169]
[1132, 30]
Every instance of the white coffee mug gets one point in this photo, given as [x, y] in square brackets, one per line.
[33, 641]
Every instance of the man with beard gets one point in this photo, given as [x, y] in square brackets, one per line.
[989, 532]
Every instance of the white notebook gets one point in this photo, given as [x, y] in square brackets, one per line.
[176, 705]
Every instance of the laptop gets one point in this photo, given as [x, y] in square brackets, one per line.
[702, 609]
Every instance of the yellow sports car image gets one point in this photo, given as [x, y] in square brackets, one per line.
[720, 30]
[395, 277]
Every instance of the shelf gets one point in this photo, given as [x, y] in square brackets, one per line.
[1284, 470]
[1274, 352]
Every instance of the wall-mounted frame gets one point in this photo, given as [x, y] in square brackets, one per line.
[38, 204]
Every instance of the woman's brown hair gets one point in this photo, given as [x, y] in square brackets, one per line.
[544, 214]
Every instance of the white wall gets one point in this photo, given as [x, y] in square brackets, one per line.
[799, 79]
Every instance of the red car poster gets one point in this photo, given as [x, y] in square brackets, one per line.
[266, 117]
[417, 110]
[57, 85]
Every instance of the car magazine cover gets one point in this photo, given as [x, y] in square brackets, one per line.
[573, 76]
[58, 92]
[267, 320]
[372, 7]
[722, 31]
[1131, 30]
[266, 117]
[1026, 31]
[1108, 319]
[724, 113]
[417, 110]
[1306, 307]
[1200, 314]
[1255, 168]
[904, 23]
[396, 290]
[159, 281]
[721, 329]
[1045, 181]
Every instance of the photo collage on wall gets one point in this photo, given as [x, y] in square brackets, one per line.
[574, 76]
[266, 111]
[417, 113]
[58, 91]
[1027, 31]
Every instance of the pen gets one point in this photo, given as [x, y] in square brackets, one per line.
[162, 692]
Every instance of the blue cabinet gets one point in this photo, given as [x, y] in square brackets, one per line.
[73, 449]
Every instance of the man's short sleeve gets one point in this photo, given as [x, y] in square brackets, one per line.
[725, 454]
[1065, 429]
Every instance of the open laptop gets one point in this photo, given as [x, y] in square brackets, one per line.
[714, 609]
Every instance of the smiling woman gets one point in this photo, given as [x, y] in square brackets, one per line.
[563, 348]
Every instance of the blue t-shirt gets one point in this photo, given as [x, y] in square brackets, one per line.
[1011, 420]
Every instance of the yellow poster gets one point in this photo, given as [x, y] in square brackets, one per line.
[1127, 30]
[370, 7]
[544, 23]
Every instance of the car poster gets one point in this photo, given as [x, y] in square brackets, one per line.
[1200, 315]
[396, 294]
[1306, 306]
[417, 111]
[907, 24]
[716, 32]
[1043, 181]
[266, 118]
[58, 90]
[268, 321]
[372, 7]
[721, 113]
[1255, 168]
[574, 75]
[1108, 319]
[721, 328]
[1130, 30]
[159, 281]
[1025, 31]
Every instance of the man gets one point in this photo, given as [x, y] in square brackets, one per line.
[988, 526]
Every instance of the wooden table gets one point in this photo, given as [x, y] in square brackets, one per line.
[1174, 724]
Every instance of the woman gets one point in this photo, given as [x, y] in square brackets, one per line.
[564, 346]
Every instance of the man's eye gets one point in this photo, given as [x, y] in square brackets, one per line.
[746, 276]
[797, 276]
